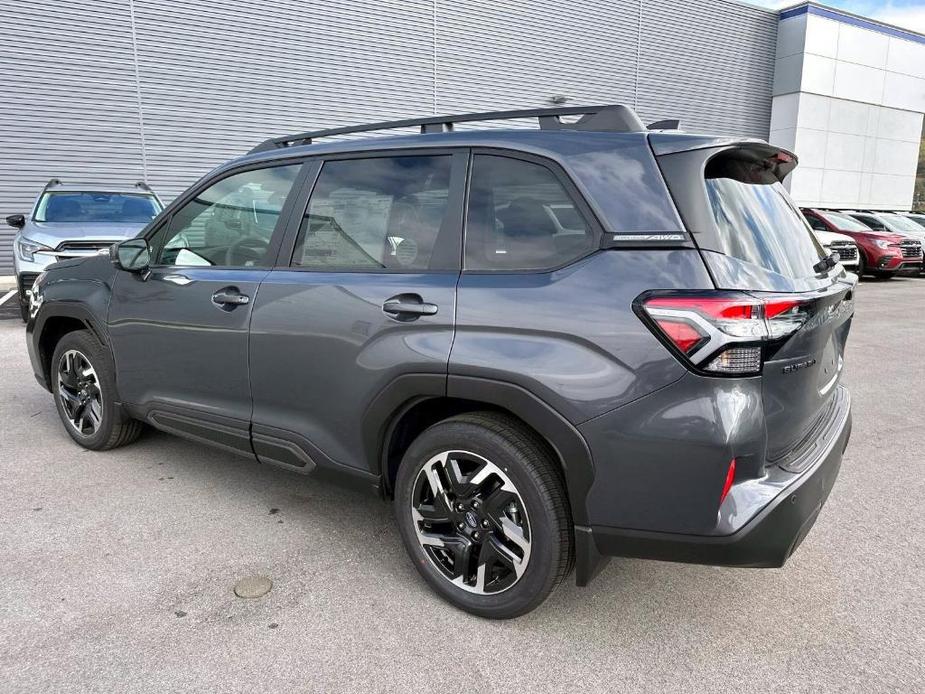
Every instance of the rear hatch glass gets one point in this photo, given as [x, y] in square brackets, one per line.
[756, 220]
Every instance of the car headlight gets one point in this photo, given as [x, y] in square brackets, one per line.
[882, 244]
[27, 249]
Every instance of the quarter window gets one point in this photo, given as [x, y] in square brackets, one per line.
[229, 223]
[520, 217]
[382, 213]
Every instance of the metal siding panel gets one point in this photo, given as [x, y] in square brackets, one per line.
[520, 53]
[219, 77]
[69, 107]
[709, 63]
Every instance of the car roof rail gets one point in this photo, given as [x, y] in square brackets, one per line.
[605, 118]
[52, 183]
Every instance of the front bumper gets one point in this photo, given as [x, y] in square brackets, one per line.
[768, 539]
[898, 263]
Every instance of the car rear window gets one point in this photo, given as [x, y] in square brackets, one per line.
[96, 207]
[756, 219]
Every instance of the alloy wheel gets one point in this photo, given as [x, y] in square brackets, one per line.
[471, 522]
[79, 393]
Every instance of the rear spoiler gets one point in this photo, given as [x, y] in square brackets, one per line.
[775, 160]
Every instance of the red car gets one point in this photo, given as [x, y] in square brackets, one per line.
[882, 253]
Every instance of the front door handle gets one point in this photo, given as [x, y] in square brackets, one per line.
[180, 280]
[405, 307]
[229, 297]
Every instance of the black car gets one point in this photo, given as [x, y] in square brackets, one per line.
[547, 347]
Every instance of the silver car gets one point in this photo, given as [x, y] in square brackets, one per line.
[70, 221]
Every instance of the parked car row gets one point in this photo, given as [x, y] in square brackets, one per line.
[882, 244]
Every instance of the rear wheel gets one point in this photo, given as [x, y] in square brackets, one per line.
[84, 389]
[484, 515]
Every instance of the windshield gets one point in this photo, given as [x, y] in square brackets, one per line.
[97, 207]
[846, 223]
[899, 223]
[758, 223]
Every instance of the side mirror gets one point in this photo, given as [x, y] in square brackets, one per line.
[17, 221]
[133, 255]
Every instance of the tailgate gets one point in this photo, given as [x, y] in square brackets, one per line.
[754, 239]
[801, 374]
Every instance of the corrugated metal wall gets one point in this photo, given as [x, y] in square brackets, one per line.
[709, 63]
[120, 90]
[68, 105]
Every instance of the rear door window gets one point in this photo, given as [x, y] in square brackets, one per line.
[757, 221]
[382, 213]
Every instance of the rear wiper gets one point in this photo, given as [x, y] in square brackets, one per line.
[827, 263]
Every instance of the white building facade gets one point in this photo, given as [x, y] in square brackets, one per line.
[849, 98]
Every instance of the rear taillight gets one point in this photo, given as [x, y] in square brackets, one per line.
[721, 332]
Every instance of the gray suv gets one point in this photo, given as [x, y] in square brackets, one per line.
[546, 347]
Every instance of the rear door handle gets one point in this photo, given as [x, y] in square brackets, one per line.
[407, 307]
[229, 297]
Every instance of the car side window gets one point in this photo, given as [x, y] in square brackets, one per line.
[871, 222]
[228, 224]
[521, 217]
[817, 224]
[380, 213]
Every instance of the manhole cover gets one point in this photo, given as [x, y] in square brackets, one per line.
[253, 587]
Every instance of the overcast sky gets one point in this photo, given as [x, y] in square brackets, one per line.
[909, 14]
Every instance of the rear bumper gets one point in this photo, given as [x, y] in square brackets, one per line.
[767, 540]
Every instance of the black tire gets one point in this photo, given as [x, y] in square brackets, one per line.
[530, 466]
[862, 268]
[24, 310]
[115, 428]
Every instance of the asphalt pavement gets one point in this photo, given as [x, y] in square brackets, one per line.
[117, 570]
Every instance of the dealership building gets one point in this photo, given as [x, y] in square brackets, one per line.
[118, 91]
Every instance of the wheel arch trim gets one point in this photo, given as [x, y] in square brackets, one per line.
[394, 401]
[48, 314]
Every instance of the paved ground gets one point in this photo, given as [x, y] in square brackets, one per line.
[117, 571]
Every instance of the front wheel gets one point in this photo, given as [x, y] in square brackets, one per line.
[483, 513]
[83, 385]
[860, 270]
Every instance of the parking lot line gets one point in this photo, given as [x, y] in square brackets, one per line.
[7, 296]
